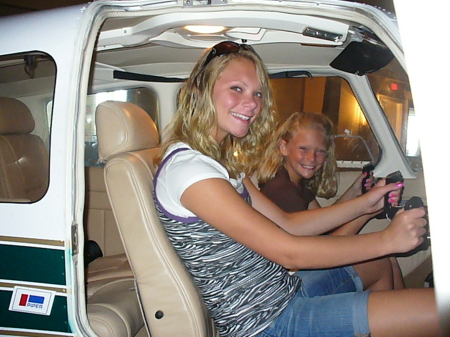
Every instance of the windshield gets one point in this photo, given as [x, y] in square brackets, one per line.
[392, 89]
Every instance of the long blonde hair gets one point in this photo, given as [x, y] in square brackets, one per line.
[196, 116]
[325, 181]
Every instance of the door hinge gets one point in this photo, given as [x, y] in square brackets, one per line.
[74, 240]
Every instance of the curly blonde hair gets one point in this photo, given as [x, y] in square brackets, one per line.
[196, 116]
[325, 181]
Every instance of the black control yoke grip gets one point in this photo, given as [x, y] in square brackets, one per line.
[366, 169]
[394, 177]
[414, 202]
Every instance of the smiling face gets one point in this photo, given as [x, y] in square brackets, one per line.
[304, 153]
[237, 98]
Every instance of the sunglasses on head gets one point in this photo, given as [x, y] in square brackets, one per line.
[225, 48]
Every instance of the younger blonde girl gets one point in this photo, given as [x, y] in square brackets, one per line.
[299, 165]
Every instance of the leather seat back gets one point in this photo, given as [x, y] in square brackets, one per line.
[24, 161]
[170, 300]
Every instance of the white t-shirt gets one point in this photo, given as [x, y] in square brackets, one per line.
[195, 168]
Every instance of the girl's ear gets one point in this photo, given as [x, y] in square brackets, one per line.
[282, 145]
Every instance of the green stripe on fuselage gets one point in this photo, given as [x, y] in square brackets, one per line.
[32, 264]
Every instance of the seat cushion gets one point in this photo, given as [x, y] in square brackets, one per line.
[113, 309]
[108, 267]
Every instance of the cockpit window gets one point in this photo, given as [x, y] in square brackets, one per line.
[27, 81]
[392, 89]
[355, 142]
[143, 97]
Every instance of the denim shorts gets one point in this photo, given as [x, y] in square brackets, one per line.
[330, 303]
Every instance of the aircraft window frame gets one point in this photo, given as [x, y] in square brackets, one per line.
[28, 78]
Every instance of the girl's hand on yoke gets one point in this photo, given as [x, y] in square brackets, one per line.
[375, 197]
[368, 180]
[406, 230]
[355, 189]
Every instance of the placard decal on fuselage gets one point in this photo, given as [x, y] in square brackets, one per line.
[32, 301]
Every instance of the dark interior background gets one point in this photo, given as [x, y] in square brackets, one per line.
[12, 7]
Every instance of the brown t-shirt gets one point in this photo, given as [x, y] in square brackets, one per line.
[287, 195]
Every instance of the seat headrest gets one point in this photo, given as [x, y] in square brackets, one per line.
[15, 117]
[123, 127]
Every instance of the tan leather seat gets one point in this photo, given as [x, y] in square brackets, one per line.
[108, 267]
[113, 308]
[101, 227]
[169, 298]
[23, 156]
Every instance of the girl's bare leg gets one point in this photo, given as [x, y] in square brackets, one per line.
[408, 312]
[376, 274]
[399, 281]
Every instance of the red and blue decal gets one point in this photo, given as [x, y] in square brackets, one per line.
[32, 301]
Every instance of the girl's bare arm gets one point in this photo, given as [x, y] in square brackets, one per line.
[216, 202]
[350, 228]
[320, 220]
